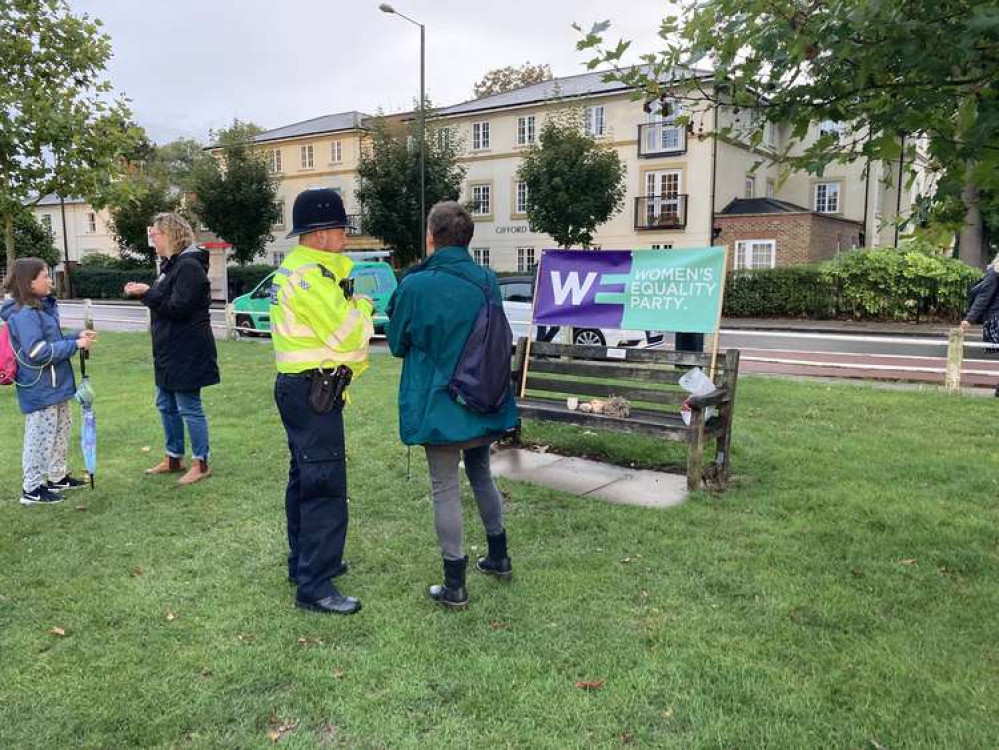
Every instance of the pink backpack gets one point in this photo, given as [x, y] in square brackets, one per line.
[8, 358]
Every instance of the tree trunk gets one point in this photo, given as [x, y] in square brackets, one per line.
[8, 241]
[971, 247]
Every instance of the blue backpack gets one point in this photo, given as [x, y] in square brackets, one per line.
[481, 378]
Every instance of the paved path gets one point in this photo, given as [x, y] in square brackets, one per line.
[591, 479]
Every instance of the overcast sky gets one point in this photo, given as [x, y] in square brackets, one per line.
[191, 65]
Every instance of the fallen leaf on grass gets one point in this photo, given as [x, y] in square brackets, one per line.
[170, 616]
[137, 571]
[542, 448]
[627, 738]
[146, 449]
[309, 641]
[644, 594]
[245, 637]
[61, 632]
[497, 625]
[624, 560]
[337, 674]
[668, 714]
[590, 684]
[81, 507]
[279, 729]
[908, 561]
[206, 672]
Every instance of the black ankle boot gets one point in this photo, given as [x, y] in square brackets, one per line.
[452, 593]
[497, 563]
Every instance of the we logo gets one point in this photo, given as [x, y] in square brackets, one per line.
[569, 285]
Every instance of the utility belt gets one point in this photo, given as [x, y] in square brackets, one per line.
[326, 387]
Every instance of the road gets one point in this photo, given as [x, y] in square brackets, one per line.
[868, 356]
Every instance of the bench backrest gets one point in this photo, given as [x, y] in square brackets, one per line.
[647, 377]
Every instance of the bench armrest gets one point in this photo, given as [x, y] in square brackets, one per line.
[716, 397]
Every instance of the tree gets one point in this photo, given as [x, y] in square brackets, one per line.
[574, 184]
[156, 179]
[388, 182]
[60, 129]
[498, 80]
[235, 195]
[902, 76]
[32, 240]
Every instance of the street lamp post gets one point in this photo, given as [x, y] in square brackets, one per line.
[386, 8]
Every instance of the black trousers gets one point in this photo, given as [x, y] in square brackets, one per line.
[316, 498]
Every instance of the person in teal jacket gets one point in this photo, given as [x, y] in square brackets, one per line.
[430, 317]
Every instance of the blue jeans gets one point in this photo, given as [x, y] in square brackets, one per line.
[178, 408]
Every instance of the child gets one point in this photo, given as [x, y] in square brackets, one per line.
[45, 382]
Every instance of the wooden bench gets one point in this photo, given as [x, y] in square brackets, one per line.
[649, 380]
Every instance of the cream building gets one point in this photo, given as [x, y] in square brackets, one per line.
[684, 188]
[86, 229]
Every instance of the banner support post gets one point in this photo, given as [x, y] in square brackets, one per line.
[530, 329]
[721, 306]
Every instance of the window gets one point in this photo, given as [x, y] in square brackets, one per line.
[517, 291]
[663, 246]
[750, 187]
[878, 193]
[280, 212]
[756, 254]
[274, 160]
[827, 197]
[91, 222]
[482, 200]
[481, 255]
[445, 138]
[771, 188]
[520, 206]
[307, 157]
[525, 258]
[336, 152]
[770, 135]
[831, 127]
[525, 130]
[663, 135]
[594, 121]
[278, 260]
[47, 222]
[480, 136]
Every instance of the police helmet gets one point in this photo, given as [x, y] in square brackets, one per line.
[315, 209]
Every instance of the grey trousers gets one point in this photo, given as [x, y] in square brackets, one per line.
[443, 463]
[46, 444]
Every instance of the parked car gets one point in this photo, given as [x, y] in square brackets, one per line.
[374, 279]
[518, 296]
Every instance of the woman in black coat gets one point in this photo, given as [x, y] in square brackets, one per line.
[184, 355]
[984, 308]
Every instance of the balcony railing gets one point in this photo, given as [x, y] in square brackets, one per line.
[661, 139]
[661, 212]
[356, 228]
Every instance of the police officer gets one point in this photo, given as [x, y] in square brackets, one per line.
[319, 331]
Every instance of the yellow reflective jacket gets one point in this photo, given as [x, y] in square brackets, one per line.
[312, 323]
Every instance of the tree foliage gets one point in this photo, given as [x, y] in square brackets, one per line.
[925, 69]
[574, 184]
[498, 80]
[235, 195]
[32, 240]
[61, 129]
[388, 182]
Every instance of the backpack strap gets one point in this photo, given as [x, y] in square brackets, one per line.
[482, 288]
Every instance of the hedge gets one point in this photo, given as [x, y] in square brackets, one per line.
[107, 283]
[792, 292]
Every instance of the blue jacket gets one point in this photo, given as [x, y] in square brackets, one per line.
[430, 317]
[44, 370]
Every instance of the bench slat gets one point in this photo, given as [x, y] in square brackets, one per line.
[662, 425]
[589, 388]
[624, 354]
[607, 370]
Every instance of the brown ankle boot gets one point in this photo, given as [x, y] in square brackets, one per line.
[199, 470]
[169, 465]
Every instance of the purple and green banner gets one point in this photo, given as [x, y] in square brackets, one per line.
[651, 290]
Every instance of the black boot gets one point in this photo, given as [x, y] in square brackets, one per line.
[497, 563]
[452, 593]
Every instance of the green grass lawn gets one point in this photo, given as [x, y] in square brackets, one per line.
[843, 594]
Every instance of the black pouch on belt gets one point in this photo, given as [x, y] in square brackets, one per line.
[327, 388]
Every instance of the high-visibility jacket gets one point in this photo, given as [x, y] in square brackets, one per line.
[313, 324]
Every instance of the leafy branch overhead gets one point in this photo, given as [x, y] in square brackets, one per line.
[917, 80]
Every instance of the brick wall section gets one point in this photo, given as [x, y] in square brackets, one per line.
[801, 238]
